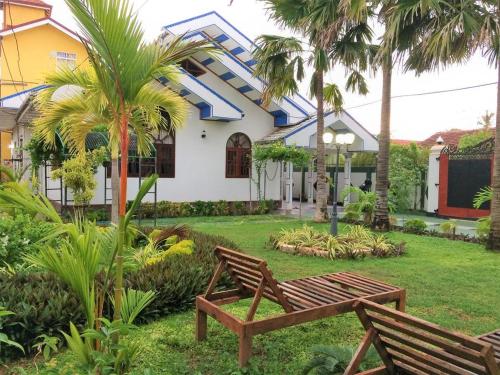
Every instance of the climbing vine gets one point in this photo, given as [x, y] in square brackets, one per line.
[276, 152]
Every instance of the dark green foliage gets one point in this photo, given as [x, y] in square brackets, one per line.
[18, 236]
[205, 208]
[177, 290]
[333, 360]
[417, 226]
[42, 305]
[100, 214]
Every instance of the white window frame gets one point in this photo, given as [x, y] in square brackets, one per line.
[65, 59]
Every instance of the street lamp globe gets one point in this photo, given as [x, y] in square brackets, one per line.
[327, 137]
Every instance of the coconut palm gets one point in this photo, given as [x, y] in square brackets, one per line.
[127, 70]
[333, 35]
[455, 31]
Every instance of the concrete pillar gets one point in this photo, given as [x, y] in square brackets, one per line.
[310, 183]
[433, 180]
[347, 174]
[288, 186]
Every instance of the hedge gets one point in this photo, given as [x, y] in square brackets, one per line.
[43, 304]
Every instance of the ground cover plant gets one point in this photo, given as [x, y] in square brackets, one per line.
[356, 243]
[454, 284]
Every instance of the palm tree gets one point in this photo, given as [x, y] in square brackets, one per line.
[455, 30]
[335, 36]
[127, 70]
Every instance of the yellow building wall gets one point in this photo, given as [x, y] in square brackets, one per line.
[5, 139]
[37, 50]
[21, 14]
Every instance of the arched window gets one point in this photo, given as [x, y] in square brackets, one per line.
[238, 156]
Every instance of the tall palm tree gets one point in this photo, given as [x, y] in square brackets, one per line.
[335, 36]
[455, 30]
[127, 69]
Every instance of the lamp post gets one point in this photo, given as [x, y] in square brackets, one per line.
[340, 140]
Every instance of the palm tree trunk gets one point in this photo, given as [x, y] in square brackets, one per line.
[494, 240]
[121, 216]
[115, 190]
[381, 219]
[321, 213]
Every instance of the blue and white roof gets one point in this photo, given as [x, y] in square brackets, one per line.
[17, 99]
[304, 133]
[235, 64]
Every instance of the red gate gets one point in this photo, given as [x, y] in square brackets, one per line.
[462, 173]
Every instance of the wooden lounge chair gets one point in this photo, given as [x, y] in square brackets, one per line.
[302, 300]
[408, 345]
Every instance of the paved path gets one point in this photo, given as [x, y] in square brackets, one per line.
[463, 226]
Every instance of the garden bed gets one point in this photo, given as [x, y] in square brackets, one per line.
[358, 242]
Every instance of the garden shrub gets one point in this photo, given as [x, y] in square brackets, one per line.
[417, 226]
[43, 305]
[184, 247]
[18, 236]
[204, 208]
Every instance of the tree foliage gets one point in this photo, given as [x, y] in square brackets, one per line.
[408, 164]
[473, 139]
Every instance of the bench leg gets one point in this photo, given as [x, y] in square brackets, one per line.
[245, 349]
[201, 325]
[401, 302]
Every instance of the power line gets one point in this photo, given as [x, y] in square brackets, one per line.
[8, 67]
[426, 93]
[17, 45]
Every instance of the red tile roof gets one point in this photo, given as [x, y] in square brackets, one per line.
[402, 142]
[450, 137]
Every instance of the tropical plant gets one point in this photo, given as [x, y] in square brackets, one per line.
[449, 227]
[8, 174]
[455, 31]
[482, 197]
[46, 345]
[333, 360]
[336, 34]
[483, 227]
[122, 85]
[363, 204]
[356, 243]
[4, 339]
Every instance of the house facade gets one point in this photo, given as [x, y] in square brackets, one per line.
[32, 45]
[209, 158]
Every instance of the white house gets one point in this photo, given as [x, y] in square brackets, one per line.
[206, 158]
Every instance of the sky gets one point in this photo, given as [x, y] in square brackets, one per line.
[414, 118]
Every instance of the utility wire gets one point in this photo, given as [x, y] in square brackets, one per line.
[426, 93]
[17, 45]
[8, 68]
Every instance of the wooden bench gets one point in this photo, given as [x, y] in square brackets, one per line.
[303, 300]
[408, 345]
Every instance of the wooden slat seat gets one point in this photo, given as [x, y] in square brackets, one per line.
[302, 300]
[408, 345]
[493, 338]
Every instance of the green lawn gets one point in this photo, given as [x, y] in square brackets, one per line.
[451, 283]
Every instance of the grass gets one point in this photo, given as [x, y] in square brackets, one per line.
[451, 283]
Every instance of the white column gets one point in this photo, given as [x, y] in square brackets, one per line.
[347, 174]
[433, 180]
[310, 183]
[288, 186]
